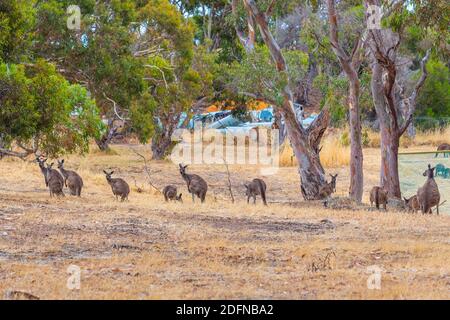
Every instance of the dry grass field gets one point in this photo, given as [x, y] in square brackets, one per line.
[148, 249]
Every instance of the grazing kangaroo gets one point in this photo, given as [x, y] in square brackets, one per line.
[428, 195]
[255, 188]
[195, 184]
[170, 193]
[412, 204]
[443, 147]
[326, 190]
[378, 196]
[55, 181]
[119, 186]
[71, 179]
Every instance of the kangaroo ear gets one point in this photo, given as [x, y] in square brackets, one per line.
[405, 199]
[62, 161]
[180, 165]
[246, 185]
[111, 172]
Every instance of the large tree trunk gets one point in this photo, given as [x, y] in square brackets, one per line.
[384, 45]
[105, 139]
[356, 153]
[305, 143]
[350, 65]
[390, 139]
[389, 177]
[161, 146]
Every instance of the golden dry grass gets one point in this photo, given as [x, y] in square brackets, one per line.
[332, 155]
[149, 249]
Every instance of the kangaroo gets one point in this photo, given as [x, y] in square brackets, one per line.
[71, 179]
[412, 204]
[428, 195]
[330, 187]
[255, 188]
[55, 181]
[170, 193]
[378, 196]
[118, 186]
[443, 147]
[195, 184]
[41, 162]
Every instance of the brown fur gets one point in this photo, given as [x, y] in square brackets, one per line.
[330, 187]
[255, 188]
[195, 184]
[378, 196]
[72, 179]
[412, 204]
[55, 181]
[170, 193]
[428, 195]
[119, 186]
[443, 147]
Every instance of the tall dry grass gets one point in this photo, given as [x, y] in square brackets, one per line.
[431, 138]
[336, 151]
[333, 153]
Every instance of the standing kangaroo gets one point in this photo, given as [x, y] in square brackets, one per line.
[195, 184]
[326, 190]
[255, 188]
[443, 147]
[170, 193]
[119, 186]
[428, 195]
[41, 162]
[379, 196]
[55, 181]
[71, 179]
[412, 204]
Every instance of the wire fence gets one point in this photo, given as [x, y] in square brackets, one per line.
[411, 168]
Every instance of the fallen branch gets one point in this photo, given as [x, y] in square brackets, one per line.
[229, 180]
[147, 170]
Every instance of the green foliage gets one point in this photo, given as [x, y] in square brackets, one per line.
[434, 97]
[16, 22]
[40, 107]
[257, 74]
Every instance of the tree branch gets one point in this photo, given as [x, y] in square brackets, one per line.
[114, 107]
[413, 97]
[247, 41]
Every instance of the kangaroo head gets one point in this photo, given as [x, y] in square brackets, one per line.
[41, 161]
[178, 197]
[407, 200]
[108, 175]
[333, 181]
[429, 172]
[182, 169]
[61, 164]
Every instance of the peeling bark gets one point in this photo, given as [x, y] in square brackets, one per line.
[350, 67]
[311, 172]
[383, 45]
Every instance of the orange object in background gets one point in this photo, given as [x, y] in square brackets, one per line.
[227, 105]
